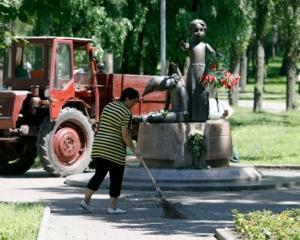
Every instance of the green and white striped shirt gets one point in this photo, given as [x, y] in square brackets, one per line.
[108, 142]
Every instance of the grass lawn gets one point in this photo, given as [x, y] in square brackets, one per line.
[274, 85]
[20, 221]
[266, 138]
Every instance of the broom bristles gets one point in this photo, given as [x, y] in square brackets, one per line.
[170, 211]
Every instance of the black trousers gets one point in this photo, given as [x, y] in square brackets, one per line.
[116, 171]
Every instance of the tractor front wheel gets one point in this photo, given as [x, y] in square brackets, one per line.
[65, 145]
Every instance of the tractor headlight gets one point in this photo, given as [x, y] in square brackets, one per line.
[47, 92]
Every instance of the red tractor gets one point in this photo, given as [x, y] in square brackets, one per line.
[50, 100]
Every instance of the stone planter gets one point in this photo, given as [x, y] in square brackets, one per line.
[163, 145]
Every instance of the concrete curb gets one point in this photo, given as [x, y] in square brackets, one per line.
[229, 179]
[225, 234]
[283, 167]
[44, 224]
[261, 166]
[228, 174]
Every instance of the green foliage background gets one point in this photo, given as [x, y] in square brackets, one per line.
[130, 29]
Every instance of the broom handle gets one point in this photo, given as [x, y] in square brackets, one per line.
[157, 188]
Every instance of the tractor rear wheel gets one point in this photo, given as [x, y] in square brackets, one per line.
[17, 157]
[64, 145]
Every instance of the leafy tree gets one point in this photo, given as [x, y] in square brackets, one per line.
[135, 42]
[229, 30]
[151, 44]
[263, 10]
[141, 49]
[288, 13]
[8, 12]
[99, 19]
[178, 14]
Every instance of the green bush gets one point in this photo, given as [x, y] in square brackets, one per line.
[264, 225]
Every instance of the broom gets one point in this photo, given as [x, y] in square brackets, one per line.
[169, 210]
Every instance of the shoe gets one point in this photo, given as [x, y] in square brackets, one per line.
[115, 211]
[86, 207]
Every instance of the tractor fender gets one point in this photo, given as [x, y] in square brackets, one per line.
[78, 104]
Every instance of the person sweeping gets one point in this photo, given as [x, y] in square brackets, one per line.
[109, 149]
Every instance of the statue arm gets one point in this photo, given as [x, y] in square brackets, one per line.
[209, 48]
[184, 45]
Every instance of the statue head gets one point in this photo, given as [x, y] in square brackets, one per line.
[161, 83]
[150, 87]
[198, 29]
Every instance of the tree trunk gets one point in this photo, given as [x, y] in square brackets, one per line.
[274, 41]
[283, 68]
[253, 55]
[290, 85]
[259, 77]
[273, 50]
[109, 63]
[234, 93]
[132, 59]
[243, 72]
[1, 72]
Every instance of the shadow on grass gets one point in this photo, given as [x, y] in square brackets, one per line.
[262, 118]
[271, 158]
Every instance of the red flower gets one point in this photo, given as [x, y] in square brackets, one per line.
[217, 78]
[213, 66]
[208, 79]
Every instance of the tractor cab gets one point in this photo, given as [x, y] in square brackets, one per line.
[44, 77]
[51, 98]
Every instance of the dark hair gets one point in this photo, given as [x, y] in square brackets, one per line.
[129, 93]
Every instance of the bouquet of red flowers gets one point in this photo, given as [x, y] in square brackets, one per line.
[217, 74]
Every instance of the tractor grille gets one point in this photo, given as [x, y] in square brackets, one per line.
[6, 104]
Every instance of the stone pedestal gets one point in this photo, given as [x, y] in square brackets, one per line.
[163, 145]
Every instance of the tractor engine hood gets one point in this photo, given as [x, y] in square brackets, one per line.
[10, 106]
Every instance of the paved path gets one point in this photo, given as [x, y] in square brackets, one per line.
[205, 211]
